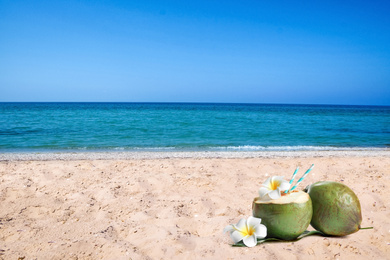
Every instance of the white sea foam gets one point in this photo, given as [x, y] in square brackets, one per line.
[153, 148]
[294, 148]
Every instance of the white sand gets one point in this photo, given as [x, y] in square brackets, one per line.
[174, 208]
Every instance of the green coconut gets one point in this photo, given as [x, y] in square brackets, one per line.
[285, 218]
[336, 208]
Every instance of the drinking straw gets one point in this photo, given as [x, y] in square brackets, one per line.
[293, 177]
[301, 179]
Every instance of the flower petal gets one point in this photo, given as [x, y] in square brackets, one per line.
[260, 231]
[241, 225]
[283, 184]
[263, 191]
[236, 236]
[252, 222]
[229, 229]
[250, 241]
[275, 194]
[267, 182]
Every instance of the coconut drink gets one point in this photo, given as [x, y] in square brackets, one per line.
[286, 217]
[282, 213]
[285, 212]
[336, 208]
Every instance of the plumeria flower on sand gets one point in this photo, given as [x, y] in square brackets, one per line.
[272, 188]
[247, 230]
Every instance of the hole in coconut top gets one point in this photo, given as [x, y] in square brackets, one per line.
[293, 197]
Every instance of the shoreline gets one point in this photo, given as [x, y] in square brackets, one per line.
[131, 155]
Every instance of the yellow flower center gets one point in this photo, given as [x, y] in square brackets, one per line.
[274, 185]
[248, 232]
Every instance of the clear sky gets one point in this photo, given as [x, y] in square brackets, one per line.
[311, 52]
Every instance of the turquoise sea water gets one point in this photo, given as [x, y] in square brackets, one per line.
[29, 127]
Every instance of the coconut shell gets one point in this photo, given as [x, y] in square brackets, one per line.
[336, 208]
[284, 219]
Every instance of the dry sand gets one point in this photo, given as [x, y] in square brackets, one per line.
[175, 208]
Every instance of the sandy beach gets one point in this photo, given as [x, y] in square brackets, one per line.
[174, 207]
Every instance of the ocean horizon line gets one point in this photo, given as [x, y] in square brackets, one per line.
[191, 103]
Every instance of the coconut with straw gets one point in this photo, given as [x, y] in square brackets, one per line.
[287, 216]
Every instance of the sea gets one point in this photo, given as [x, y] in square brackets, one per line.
[62, 127]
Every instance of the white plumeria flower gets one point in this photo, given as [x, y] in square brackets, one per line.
[272, 187]
[247, 230]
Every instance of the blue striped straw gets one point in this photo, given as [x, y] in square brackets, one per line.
[293, 177]
[301, 179]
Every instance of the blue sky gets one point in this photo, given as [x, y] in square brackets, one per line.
[329, 52]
